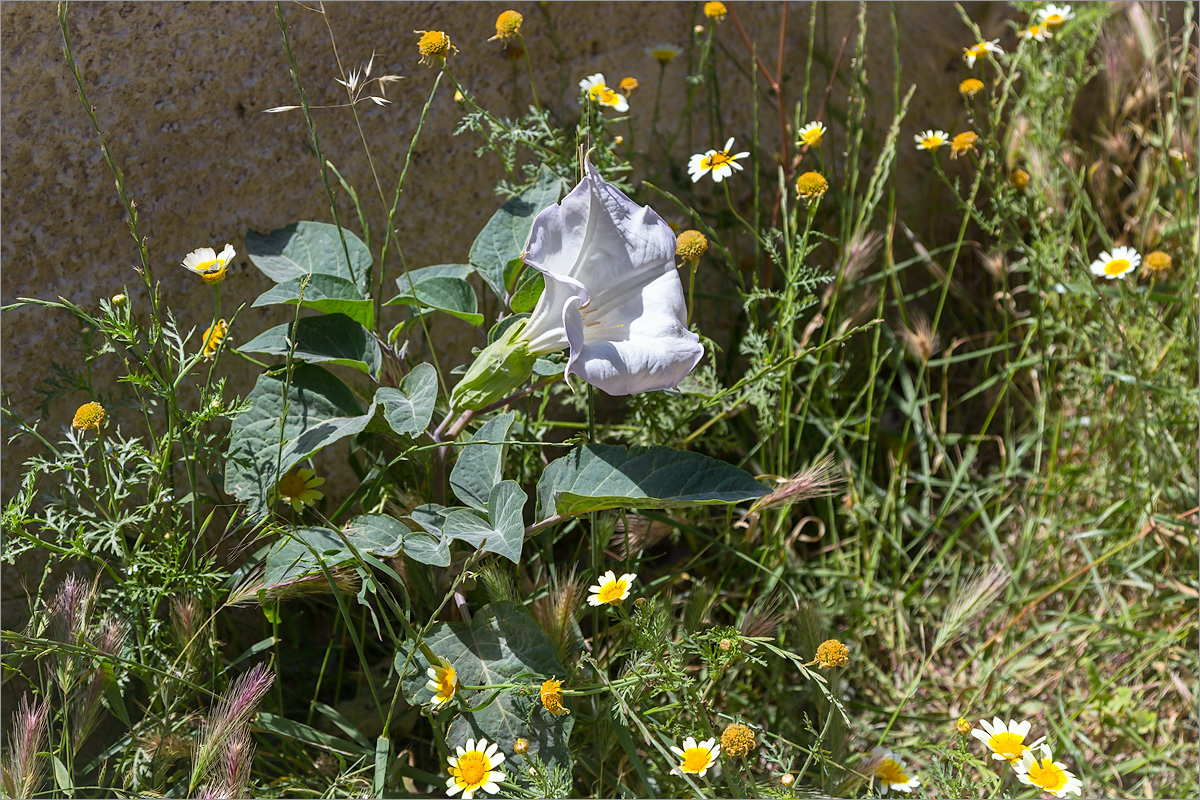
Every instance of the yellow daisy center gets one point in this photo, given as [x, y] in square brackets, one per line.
[932, 142]
[889, 771]
[1009, 745]
[88, 417]
[811, 137]
[612, 592]
[811, 184]
[472, 770]
[1116, 266]
[695, 759]
[1052, 21]
[1047, 775]
[662, 55]
[970, 86]
[446, 682]
[1158, 261]
[608, 97]
[717, 159]
[508, 24]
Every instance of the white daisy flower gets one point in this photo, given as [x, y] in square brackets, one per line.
[474, 768]
[1037, 33]
[443, 682]
[611, 590]
[1052, 16]
[890, 771]
[597, 90]
[719, 163]
[979, 50]
[811, 134]
[931, 139]
[696, 759]
[1047, 774]
[208, 265]
[1007, 742]
[1123, 261]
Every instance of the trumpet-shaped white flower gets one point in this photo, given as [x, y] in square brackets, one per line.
[612, 299]
[613, 295]
[1123, 261]
[598, 90]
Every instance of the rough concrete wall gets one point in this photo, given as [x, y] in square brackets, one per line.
[180, 88]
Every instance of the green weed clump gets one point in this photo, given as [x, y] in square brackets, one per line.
[760, 483]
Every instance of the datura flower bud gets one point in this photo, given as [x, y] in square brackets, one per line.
[499, 370]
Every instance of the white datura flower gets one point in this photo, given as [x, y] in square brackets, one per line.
[613, 300]
[613, 296]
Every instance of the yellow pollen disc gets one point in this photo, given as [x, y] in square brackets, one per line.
[446, 680]
[1046, 775]
[889, 771]
[608, 97]
[1009, 745]
[291, 485]
[718, 159]
[695, 759]
[932, 142]
[1053, 20]
[1116, 266]
[472, 769]
[811, 137]
[612, 593]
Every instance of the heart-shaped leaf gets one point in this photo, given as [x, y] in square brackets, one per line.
[478, 467]
[310, 248]
[504, 236]
[502, 532]
[329, 338]
[328, 294]
[597, 476]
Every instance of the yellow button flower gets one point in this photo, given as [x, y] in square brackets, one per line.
[963, 143]
[811, 186]
[89, 417]
[691, 245]
[213, 336]
[508, 25]
[737, 740]
[715, 10]
[970, 87]
[434, 45]
[551, 695]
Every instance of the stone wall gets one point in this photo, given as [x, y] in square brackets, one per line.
[180, 89]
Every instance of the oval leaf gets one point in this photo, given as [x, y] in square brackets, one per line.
[328, 294]
[310, 248]
[329, 338]
[598, 476]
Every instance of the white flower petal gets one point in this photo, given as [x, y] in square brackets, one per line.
[610, 269]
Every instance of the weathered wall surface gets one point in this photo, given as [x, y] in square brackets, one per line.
[180, 88]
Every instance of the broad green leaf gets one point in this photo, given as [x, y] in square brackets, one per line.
[504, 236]
[596, 476]
[446, 293]
[502, 532]
[414, 276]
[310, 248]
[313, 396]
[321, 410]
[435, 549]
[329, 338]
[502, 644]
[478, 466]
[529, 289]
[328, 294]
[409, 409]
[377, 534]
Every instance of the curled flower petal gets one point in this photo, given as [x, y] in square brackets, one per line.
[613, 295]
